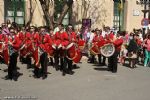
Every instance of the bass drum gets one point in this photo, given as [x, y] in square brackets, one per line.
[71, 51]
[1, 47]
[94, 49]
[107, 50]
[50, 51]
[81, 44]
[78, 56]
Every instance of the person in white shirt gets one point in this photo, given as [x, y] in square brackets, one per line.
[91, 37]
[140, 35]
[57, 29]
[104, 31]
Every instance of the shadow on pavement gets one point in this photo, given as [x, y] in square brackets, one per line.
[101, 69]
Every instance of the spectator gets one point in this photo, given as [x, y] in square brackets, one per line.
[5, 29]
[132, 51]
[147, 50]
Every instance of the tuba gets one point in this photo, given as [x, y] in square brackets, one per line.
[107, 50]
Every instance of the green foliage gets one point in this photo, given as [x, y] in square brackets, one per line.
[58, 7]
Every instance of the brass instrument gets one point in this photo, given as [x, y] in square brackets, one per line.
[107, 50]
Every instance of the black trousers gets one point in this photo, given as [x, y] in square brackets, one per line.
[100, 59]
[12, 67]
[44, 63]
[56, 59]
[112, 62]
[51, 61]
[91, 59]
[67, 64]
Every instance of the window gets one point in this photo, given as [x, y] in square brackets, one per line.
[116, 16]
[14, 11]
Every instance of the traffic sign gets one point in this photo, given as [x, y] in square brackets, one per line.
[145, 22]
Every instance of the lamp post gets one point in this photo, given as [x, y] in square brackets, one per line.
[145, 3]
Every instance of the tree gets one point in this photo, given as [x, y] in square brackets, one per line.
[62, 6]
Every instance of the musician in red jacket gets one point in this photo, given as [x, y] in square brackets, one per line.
[13, 45]
[51, 50]
[1, 46]
[69, 37]
[113, 60]
[43, 46]
[21, 36]
[40, 58]
[28, 46]
[58, 48]
[73, 38]
[101, 58]
[63, 55]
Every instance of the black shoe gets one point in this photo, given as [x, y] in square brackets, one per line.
[71, 72]
[29, 66]
[50, 64]
[56, 67]
[91, 62]
[108, 69]
[44, 77]
[114, 71]
[17, 68]
[5, 70]
[101, 64]
[88, 60]
[15, 78]
[19, 74]
[104, 64]
[63, 73]
[7, 78]
[36, 76]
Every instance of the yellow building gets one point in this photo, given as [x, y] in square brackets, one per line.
[101, 12]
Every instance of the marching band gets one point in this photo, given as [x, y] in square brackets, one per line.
[62, 49]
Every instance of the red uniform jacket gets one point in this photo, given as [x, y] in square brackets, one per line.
[36, 39]
[28, 38]
[110, 36]
[98, 40]
[21, 36]
[15, 41]
[118, 42]
[72, 37]
[29, 42]
[64, 39]
[47, 42]
[57, 38]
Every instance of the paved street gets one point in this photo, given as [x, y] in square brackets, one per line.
[89, 82]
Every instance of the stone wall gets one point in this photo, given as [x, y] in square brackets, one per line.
[99, 11]
[1, 11]
[133, 21]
